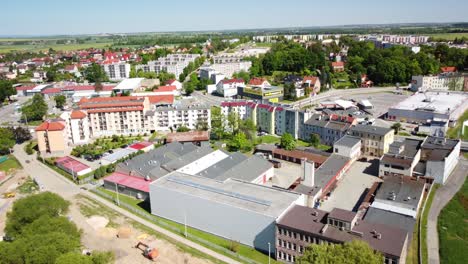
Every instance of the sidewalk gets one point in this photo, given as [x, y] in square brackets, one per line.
[441, 198]
[56, 183]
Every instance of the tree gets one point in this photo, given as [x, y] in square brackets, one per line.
[455, 83]
[60, 101]
[6, 90]
[314, 140]
[73, 258]
[188, 88]
[201, 125]
[7, 140]
[248, 128]
[20, 134]
[21, 215]
[242, 75]
[36, 109]
[233, 122]
[217, 122]
[396, 127]
[239, 143]
[183, 129]
[287, 142]
[95, 73]
[356, 251]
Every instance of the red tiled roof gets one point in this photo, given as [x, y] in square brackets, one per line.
[140, 145]
[228, 81]
[257, 81]
[448, 69]
[170, 82]
[113, 110]
[157, 99]
[51, 91]
[51, 126]
[312, 79]
[70, 164]
[167, 88]
[24, 88]
[126, 180]
[338, 64]
[188, 136]
[233, 104]
[77, 114]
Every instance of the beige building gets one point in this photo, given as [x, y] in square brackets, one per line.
[52, 138]
[375, 141]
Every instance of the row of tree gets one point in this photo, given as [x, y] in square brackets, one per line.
[6, 90]
[38, 231]
[9, 136]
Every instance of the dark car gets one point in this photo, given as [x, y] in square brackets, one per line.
[110, 151]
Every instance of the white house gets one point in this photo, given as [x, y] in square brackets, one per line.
[228, 88]
[117, 71]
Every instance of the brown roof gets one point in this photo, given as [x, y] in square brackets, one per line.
[298, 154]
[188, 136]
[77, 114]
[341, 214]
[303, 219]
[51, 126]
[406, 163]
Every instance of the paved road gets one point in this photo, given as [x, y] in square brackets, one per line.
[56, 183]
[441, 198]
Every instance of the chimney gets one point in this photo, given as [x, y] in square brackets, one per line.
[309, 172]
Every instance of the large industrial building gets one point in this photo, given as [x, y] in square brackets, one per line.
[233, 209]
[424, 107]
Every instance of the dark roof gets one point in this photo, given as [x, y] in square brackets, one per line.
[343, 215]
[402, 188]
[398, 161]
[297, 154]
[313, 221]
[437, 148]
[325, 121]
[376, 130]
[348, 141]
[379, 216]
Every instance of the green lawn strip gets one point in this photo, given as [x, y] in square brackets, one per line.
[452, 227]
[10, 163]
[425, 213]
[99, 209]
[29, 186]
[269, 139]
[243, 250]
[413, 252]
[455, 132]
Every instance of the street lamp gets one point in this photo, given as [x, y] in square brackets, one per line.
[117, 191]
[269, 254]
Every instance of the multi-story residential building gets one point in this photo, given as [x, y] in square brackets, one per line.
[440, 156]
[116, 115]
[170, 117]
[228, 87]
[52, 138]
[301, 226]
[77, 126]
[228, 69]
[173, 63]
[227, 58]
[329, 128]
[237, 107]
[436, 82]
[117, 71]
[375, 140]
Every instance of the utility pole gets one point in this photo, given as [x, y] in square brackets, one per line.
[269, 254]
[117, 191]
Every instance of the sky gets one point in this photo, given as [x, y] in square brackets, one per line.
[51, 17]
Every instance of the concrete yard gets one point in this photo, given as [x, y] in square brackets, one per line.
[381, 101]
[286, 175]
[351, 188]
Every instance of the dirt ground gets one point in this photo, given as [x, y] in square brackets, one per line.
[100, 230]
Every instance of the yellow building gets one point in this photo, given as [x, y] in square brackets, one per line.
[52, 138]
[375, 141]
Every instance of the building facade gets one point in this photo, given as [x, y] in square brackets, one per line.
[52, 138]
[116, 71]
[375, 140]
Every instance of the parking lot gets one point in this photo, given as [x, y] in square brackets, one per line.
[351, 189]
[381, 101]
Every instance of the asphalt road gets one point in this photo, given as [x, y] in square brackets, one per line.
[441, 198]
[54, 182]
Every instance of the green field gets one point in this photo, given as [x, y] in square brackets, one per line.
[44, 47]
[448, 36]
[10, 163]
[455, 132]
[453, 229]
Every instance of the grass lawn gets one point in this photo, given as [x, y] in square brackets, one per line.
[403, 133]
[29, 186]
[243, 250]
[455, 132]
[412, 256]
[449, 36]
[10, 163]
[58, 47]
[453, 228]
[427, 207]
[269, 139]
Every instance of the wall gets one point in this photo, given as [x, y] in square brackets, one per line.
[247, 227]
[451, 161]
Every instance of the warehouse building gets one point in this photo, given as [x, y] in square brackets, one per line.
[233, 209]
[440, 156]
[424, 107]
[129, 185]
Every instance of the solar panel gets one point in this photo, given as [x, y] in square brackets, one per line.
[219, 191]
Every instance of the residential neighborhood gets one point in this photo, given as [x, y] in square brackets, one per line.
[206, 143]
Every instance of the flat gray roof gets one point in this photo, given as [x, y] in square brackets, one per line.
[222, 166]
[379, 216]
[438, 148]
[348, 141]
[407, 192]
[440, 102]
[248, 196]
[376, 130]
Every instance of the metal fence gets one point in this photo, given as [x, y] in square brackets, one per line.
[157, 221]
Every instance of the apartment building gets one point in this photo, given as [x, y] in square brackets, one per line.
[52, 137]
[116, 115]
[172, 63]
[421, 83]
[116, 71]
[301, 226]
[329, 128]
[228, 87]
[229, 68]
[170, 117]
[77, 126]
[375, 140]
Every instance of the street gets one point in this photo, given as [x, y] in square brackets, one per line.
[54, 182]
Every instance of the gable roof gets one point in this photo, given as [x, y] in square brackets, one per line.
[77, 114]
[448, 69]
[338, 64]
[257, 81]
[50, 125]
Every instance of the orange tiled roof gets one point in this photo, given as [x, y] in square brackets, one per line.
[51, 126]
[77, 114]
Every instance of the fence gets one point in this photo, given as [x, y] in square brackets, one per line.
[176, 230]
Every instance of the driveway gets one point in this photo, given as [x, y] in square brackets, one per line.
[442, 196]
